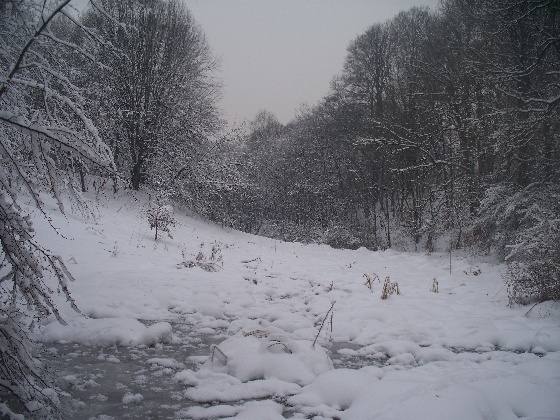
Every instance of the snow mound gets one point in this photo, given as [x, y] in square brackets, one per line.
[253, 410]
[130, 398]
[107, 331]
[333, 391]
[164, 362]
[441, 390]
[265, 354]
[254, 365]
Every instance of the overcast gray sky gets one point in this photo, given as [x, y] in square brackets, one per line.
[280, 54]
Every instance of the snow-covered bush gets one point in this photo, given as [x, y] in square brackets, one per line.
[523, 227]
[533, 272]
[160, 216]
[497, 221]
[340, 237]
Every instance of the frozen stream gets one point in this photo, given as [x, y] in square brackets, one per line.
[126, 382]
[137, 382]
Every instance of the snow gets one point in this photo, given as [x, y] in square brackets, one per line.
[132, 398]
[264, 410]
[107, 331]
[461, 353]
[270, 353]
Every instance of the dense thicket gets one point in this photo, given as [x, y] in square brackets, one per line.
[440, 132]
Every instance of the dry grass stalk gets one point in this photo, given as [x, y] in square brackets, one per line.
[213, 264]
[256, 333]
[386, 291]
[332, 314]
[389, 288]
[435, 286]
[323, 323]
[369, 280]
[279, 343]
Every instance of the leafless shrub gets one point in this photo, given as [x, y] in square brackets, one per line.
[160, 216]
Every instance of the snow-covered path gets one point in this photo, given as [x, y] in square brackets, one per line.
[459, 353]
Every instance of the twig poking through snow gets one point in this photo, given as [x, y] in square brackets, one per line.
[323, 323]
[250, 261]
[279, 343]
[223, 358]
[531, 308]
[494, 297]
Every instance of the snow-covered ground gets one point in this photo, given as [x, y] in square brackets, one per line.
[239, 341]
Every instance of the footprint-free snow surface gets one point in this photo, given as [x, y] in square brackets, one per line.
[218, 324]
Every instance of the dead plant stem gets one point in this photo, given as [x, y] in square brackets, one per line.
[323, 323]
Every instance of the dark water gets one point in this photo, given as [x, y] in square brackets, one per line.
[126, 382]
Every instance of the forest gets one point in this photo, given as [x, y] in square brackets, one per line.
[440, 133]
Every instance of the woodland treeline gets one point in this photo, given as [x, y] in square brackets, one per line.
[440, 132]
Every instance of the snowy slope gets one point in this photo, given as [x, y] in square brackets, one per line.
[461, 353]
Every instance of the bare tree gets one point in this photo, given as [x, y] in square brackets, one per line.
[44, 134]
[158, 95]
[367, 69]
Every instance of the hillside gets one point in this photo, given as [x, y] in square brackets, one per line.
[238, 341]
